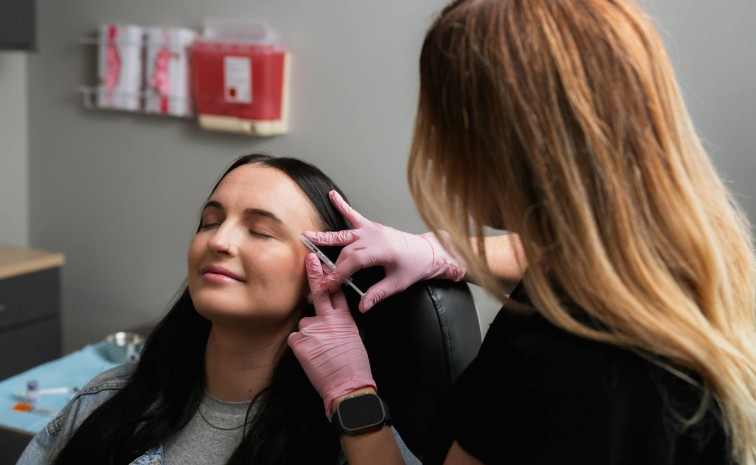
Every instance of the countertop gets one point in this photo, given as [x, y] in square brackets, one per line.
[15, 261]
[73, 370]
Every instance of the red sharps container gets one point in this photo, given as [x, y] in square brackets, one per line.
[240, 78]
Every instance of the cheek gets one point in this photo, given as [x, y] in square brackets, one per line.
[287, 270]
[293, 269]
[283, 260]
[194, 253]
[194, 257]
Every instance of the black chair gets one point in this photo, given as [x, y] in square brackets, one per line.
[419, 342]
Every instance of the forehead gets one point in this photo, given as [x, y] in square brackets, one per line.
[262, 187]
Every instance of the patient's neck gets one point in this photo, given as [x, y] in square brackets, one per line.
[239, 364]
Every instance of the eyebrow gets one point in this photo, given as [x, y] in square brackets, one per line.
[247, 211]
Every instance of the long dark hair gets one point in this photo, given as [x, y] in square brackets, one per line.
[168, 384]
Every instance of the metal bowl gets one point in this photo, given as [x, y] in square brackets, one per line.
[123, 346]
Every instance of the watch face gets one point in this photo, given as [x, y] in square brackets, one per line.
[361, 413]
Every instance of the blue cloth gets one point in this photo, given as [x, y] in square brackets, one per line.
[48, 443]
[73, 370]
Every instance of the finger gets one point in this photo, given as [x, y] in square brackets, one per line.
[295, 339]
[344, 237]
[313, 270]
[350, 261]
[338, 301]
[306, 321]
[349, 213]
[376, 293]
[321, 299]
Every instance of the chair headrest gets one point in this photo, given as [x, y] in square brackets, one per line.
[419, 341]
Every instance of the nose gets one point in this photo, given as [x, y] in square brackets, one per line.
[222, 241]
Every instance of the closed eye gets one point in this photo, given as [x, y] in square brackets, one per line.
[260, 235]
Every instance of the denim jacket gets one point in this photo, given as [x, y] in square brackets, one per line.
[46, 444]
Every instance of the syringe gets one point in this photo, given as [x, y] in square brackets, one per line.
[327, 261]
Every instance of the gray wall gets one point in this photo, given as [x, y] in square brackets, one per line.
[14, 191]
[711, 45]
[118, 192]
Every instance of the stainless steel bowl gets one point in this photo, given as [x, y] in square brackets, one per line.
[123, 346]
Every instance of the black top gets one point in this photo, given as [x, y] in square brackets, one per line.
[537, 394]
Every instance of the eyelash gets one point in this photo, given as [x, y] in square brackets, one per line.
[257, 234]
[260, 235]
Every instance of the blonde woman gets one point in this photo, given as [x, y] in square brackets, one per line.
[630, 338]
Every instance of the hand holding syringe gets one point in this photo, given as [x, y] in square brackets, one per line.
[327, 261]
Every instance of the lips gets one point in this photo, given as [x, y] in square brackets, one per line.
[215, 272]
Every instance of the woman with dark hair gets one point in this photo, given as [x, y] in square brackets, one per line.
[216, 382]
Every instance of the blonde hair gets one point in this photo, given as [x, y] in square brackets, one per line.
[562, 121]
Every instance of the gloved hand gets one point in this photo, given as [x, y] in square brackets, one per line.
[406, 258]
[328, 345]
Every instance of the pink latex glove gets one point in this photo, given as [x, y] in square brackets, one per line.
[328, 345]
[406, 258]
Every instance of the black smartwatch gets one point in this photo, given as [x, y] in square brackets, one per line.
[360, 414]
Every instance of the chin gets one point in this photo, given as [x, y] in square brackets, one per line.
[214, 306]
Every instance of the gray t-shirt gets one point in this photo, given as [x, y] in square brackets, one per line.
[210, 440]
[216, 430]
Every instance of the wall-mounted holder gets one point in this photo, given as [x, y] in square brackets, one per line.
[142, 69]
[234, 78]
[92, 94]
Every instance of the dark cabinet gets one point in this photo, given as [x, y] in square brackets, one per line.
[29, 320]
[18, 29]
[30, 296]
[29, 308]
